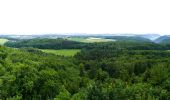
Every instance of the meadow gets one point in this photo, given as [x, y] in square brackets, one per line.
[3, 41]
[63, 52]
[89, 39]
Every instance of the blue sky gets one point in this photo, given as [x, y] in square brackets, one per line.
[84, 16]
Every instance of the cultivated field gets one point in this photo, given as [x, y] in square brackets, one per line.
[3, 41]
[90, 39]
[63, 52]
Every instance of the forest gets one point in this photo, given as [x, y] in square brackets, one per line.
[119, 70]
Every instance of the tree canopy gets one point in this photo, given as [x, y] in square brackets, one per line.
[101, 71]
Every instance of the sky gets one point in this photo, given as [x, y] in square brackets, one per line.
[84, 16]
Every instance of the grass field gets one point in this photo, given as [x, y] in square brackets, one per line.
[63, 52]
[3, 41]
[76, 39]
[90, 39]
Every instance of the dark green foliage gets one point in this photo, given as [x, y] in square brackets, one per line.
[67, 44]
[129, 38]
[45, 44]
[137, 73]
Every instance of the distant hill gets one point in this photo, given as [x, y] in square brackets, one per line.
[163, 39]
[45, 43]
[115, 37]
[129, 38]
[150, 36]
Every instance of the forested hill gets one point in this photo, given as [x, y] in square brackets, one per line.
[45, 43]
[101, 71]
[163, 39]
[69, 44]
[129, 38]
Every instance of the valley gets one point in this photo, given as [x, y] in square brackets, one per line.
[84, 68]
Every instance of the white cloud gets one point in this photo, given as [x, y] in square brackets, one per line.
[84, 16]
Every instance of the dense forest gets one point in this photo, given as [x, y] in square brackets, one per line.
[121, 70]
[45, 43]
[122, 43]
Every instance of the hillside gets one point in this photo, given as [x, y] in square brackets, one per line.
[3, 41]
[129, 38]
[120, 43]
[151, 37]
[163, 39]
[27, 74]
[45, 43]
[111, 71]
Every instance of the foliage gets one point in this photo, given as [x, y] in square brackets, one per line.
[45, 44]
[100, 71]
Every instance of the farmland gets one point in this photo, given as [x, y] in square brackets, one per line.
[63, 52]
[90, 39]
[3, 41]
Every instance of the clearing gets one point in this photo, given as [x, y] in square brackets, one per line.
[90, 39]
[63, 52]
[3, 41]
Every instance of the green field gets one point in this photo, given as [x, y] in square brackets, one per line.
[90, 39]
[3, 41]
[63, 52]
[76, 39]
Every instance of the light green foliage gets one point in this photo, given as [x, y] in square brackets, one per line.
[31, 74]
[78, 39]
[3, 41]
[63, 95]
[63, 52]
[158, 74]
